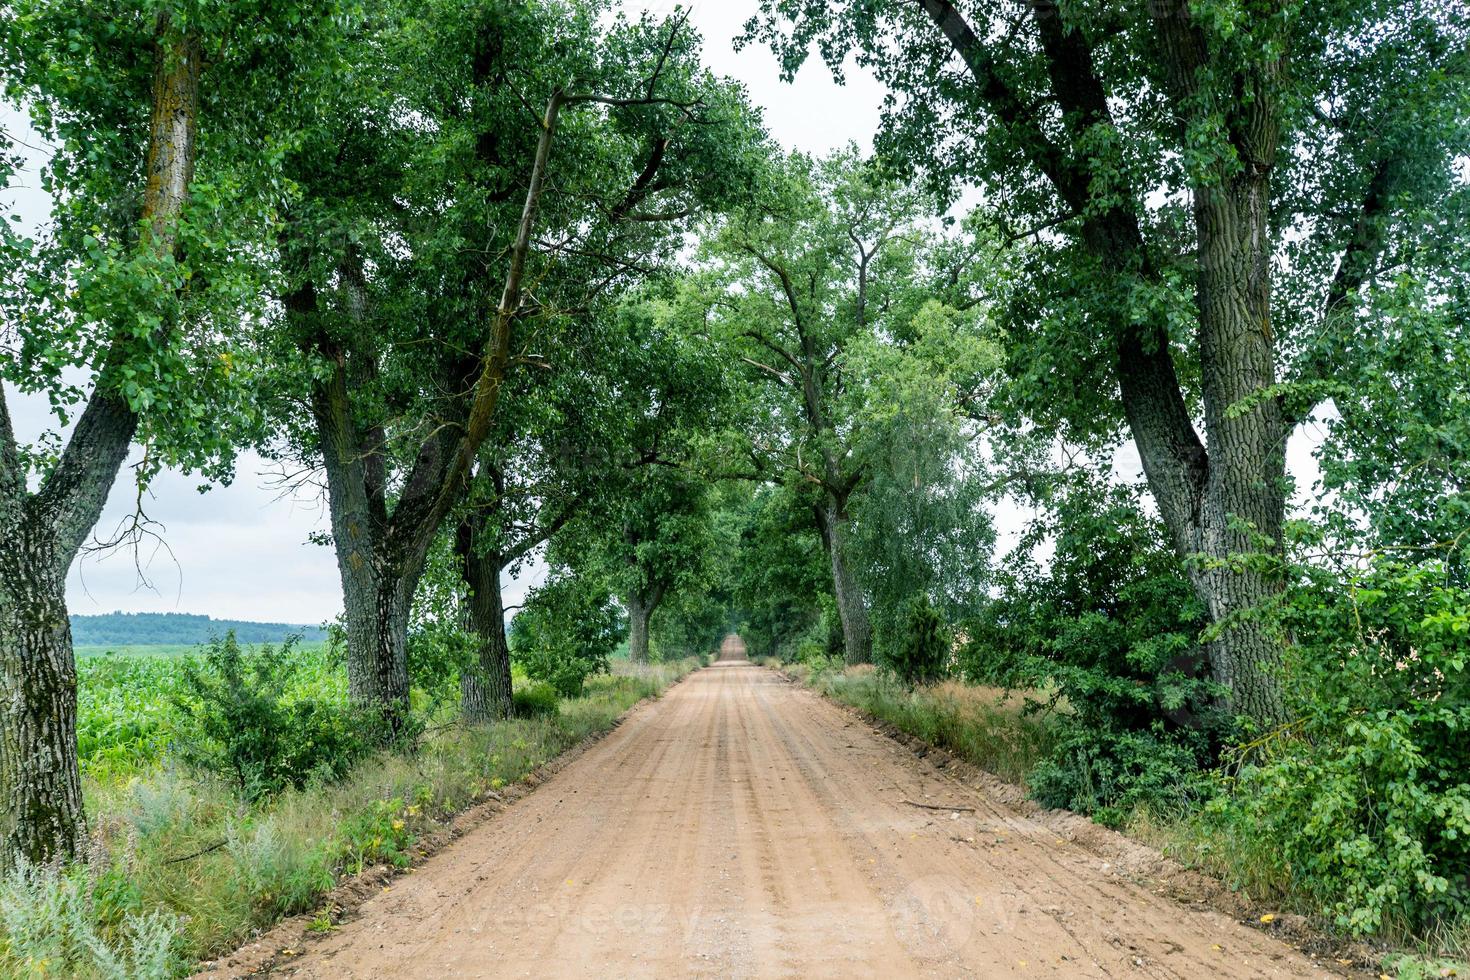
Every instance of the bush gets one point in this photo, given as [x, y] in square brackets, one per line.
[536, 700]
[1109, 773]
[1110, 632]
[923, 646]
[1365, 798]
[238, 718]
[83, 922]
[566, 632]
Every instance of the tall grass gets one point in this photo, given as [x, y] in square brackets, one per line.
[182, 870]
[982, 725]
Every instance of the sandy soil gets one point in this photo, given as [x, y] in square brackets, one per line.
[742, 826]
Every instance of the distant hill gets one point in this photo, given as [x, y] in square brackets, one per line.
[138, 629]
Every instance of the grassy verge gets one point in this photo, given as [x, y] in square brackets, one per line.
[982, 725]
[180, 870]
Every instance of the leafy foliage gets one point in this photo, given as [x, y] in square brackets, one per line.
[535, 700]
[781, 584]
[565, 633]
[238, 719]
[1110, 631]
[922, 651]
[1365, 798]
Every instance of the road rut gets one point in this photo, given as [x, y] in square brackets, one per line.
[742, 826]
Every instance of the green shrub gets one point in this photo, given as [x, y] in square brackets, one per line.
[1109, 773]
[535, 700]
[239, 719]
[439, 651]
[923, 646]
[1364, 800]
[565, 633]
[83, 922]
[1110, 630]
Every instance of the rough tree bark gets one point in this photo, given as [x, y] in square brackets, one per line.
[486, 547]
[1203, 495]
[641, 607]
[43, 819]
[852, 607]
[485, 690]
[1244, 502]
[380, 554]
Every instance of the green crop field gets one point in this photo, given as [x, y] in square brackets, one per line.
[127, 700]
[88, 651]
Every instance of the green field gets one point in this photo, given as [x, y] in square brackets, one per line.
[86, 651]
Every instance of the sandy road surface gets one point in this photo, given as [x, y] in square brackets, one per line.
[742, 826]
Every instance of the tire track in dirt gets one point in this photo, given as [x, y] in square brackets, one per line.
[743, 826]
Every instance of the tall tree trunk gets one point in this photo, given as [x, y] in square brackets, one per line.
[377, 591]
[485, 688]
[43, 819]
[852, 607]
[40, 781]
[1246, 484]
[640, 611]
[1244, 500]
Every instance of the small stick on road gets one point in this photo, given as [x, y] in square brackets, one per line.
[931, 806]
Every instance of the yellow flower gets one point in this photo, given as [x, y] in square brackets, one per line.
[398, 825]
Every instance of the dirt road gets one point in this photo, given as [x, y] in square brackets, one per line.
[742, 826]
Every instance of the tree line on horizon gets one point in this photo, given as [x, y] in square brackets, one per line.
[145, 628]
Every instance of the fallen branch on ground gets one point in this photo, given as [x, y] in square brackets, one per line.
[933, 806]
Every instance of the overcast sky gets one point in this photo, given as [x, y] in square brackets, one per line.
[241, 552]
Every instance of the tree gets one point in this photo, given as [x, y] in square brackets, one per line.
[408, 233]
[539, 467]
[567, 630]
[1164, 159]
[656, 542]
[620, 390]
[921, 532]
[163, 180]
[1393, 459]
[820, 291]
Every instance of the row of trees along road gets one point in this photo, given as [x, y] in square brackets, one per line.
[513, 281]
[1165, 158]
[371, 219]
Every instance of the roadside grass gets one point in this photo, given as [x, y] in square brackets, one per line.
[986, 726]
[180, 870]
